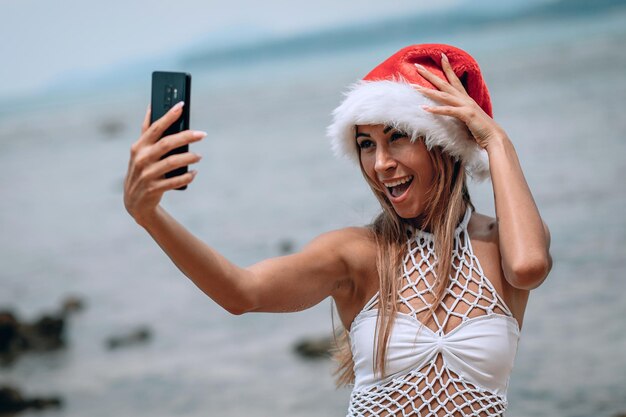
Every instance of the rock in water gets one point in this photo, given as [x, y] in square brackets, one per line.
[314, 348]
[12, 401]
[139, 335]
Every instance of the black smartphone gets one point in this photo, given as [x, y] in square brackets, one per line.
[168, 88]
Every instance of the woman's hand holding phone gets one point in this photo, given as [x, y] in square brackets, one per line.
[145, 182]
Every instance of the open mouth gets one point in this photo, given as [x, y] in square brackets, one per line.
[399, 187]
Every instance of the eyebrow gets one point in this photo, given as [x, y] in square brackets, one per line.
[385, 131]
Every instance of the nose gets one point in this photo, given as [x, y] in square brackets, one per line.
[384, 161]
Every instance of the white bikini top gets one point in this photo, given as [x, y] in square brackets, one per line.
[462, 357]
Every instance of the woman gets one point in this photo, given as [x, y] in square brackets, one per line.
[432, 295]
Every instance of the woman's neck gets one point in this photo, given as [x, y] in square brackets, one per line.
[419, 221]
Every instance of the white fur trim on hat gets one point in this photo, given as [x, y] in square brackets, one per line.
[397, 104]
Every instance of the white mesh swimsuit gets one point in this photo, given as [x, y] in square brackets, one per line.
[456, 365]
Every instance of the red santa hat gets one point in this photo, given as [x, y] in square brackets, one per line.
[386, 96]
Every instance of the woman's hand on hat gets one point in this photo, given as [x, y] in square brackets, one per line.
[457, 103]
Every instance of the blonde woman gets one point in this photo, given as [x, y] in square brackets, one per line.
[432, 294]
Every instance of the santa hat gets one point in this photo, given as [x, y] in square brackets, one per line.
[386, 96]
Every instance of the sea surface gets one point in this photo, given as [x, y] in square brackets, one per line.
[267, 180]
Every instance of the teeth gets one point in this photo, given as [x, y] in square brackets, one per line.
[398, 182]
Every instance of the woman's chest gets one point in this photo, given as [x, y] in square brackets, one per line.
[476, 285]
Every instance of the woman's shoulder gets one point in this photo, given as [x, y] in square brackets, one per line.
[346, 236]
[356, 247]
[483, 232]
[349, 242]
[351, 246]
[483, 227]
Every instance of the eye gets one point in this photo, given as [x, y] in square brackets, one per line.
[364, 144]
[397, 135]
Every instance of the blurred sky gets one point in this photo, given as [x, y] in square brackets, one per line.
[44, 42]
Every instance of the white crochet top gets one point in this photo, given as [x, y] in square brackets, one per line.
[459, 363]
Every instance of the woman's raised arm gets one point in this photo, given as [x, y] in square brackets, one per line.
[524, 238]
[283, 284]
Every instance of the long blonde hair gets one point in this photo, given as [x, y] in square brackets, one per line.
[446, 202]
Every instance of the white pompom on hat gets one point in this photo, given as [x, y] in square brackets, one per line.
[386, 96]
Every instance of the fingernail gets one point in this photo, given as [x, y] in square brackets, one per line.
[420, 67]
[444, 57]
[178, 105]
[199, 134]
[425, 107]
[199, 156]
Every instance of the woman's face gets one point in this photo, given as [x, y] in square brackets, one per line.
[402, 169]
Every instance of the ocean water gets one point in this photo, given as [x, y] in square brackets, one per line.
[268, 177]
